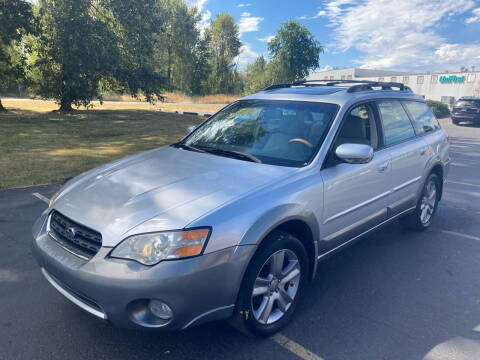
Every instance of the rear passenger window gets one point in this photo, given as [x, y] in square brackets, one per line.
[396, 124]
[423, 118]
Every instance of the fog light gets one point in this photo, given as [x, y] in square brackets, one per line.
[160, 309]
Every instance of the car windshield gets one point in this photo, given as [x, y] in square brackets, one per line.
[287, 133]
[468, 103]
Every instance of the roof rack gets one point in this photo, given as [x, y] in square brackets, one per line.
[361, 85]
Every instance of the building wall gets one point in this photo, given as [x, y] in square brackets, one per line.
[428, 85]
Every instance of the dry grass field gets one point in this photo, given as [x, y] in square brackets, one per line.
[172, 97]
[39, 146]
[48, 106]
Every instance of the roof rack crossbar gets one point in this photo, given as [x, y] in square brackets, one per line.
[360, 85]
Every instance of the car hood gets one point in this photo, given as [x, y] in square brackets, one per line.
[170, 186]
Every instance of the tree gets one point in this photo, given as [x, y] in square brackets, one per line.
[256, 77]
[138, 25]
[294, 53]
[224, 48]
[87, 43]
[16, 20]
[179, 42]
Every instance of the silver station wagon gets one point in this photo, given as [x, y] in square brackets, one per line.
[231, 221]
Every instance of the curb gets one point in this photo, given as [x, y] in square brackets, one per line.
[192, 113]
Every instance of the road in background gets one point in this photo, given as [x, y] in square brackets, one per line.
[395, 295]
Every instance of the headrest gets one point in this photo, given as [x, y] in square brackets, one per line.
[354, 127]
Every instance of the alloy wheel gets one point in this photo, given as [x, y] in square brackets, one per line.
[276, 286]
[429, 201]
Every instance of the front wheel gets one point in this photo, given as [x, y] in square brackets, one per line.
[426, 208]
[271, 286]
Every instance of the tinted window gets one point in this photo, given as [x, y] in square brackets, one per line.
[423, 118]
[276, 132]
[395, 121]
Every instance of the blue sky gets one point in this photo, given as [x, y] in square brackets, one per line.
[413, 35]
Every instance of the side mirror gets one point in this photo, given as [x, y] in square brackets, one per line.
[191, 128]
[354, 153]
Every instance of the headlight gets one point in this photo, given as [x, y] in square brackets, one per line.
[149, 249]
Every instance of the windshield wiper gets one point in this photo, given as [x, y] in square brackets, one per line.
[187, 147]
[232, 154]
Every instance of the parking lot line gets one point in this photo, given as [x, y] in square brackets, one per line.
[462, 183]
[294, 347]
[41, 197]
[472, 237]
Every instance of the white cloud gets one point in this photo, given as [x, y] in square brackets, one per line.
[244, 5]
[398, 34]
[198, 3]
[267, 38]
[316, 16]
[475, 18]
[205, 21]
[247, 55]
[206, 15]
[248, 23]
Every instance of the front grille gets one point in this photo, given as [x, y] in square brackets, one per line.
[73, 237]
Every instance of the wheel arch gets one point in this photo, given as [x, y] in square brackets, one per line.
[438, 170]
[292, 219]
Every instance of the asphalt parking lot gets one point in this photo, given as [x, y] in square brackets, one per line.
[395, 295]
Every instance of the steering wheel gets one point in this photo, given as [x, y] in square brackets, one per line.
[302, 141]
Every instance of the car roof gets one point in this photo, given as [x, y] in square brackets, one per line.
[340, 95]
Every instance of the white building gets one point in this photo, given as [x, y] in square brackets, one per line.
[446, 87]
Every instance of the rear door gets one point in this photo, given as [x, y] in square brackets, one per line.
[408, 153]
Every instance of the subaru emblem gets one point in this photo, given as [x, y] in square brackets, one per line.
[71, 232]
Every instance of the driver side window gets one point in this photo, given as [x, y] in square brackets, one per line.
[358, 127]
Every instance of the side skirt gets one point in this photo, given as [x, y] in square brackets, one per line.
[364, 234]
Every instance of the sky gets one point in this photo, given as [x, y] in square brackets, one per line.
[405, 35]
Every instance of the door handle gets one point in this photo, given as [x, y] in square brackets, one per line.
[383, 167]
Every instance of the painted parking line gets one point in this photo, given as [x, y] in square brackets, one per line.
[41, 197]
[461, 183]
[467, 236]
[294, 347]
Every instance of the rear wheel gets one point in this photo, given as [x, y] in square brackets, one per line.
[271, 286]
[422, 217]
[455, 121]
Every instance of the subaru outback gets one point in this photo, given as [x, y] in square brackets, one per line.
[232, 221]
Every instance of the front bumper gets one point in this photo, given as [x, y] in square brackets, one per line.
[197, 289]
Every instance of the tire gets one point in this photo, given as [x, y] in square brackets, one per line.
[455, 121]
[424, 214]
[274, 290]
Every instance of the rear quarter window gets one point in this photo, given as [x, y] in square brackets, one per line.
[423, 118]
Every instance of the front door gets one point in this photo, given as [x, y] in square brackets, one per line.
[355, 195]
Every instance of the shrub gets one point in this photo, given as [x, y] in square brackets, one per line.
[440, 109]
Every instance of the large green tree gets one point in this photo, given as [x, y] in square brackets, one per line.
[85, 44]
[294, 53]
[224, 48]
[16, 19]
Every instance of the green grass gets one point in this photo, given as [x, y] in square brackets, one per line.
[41, 147]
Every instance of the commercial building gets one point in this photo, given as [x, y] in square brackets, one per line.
[442, 86]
